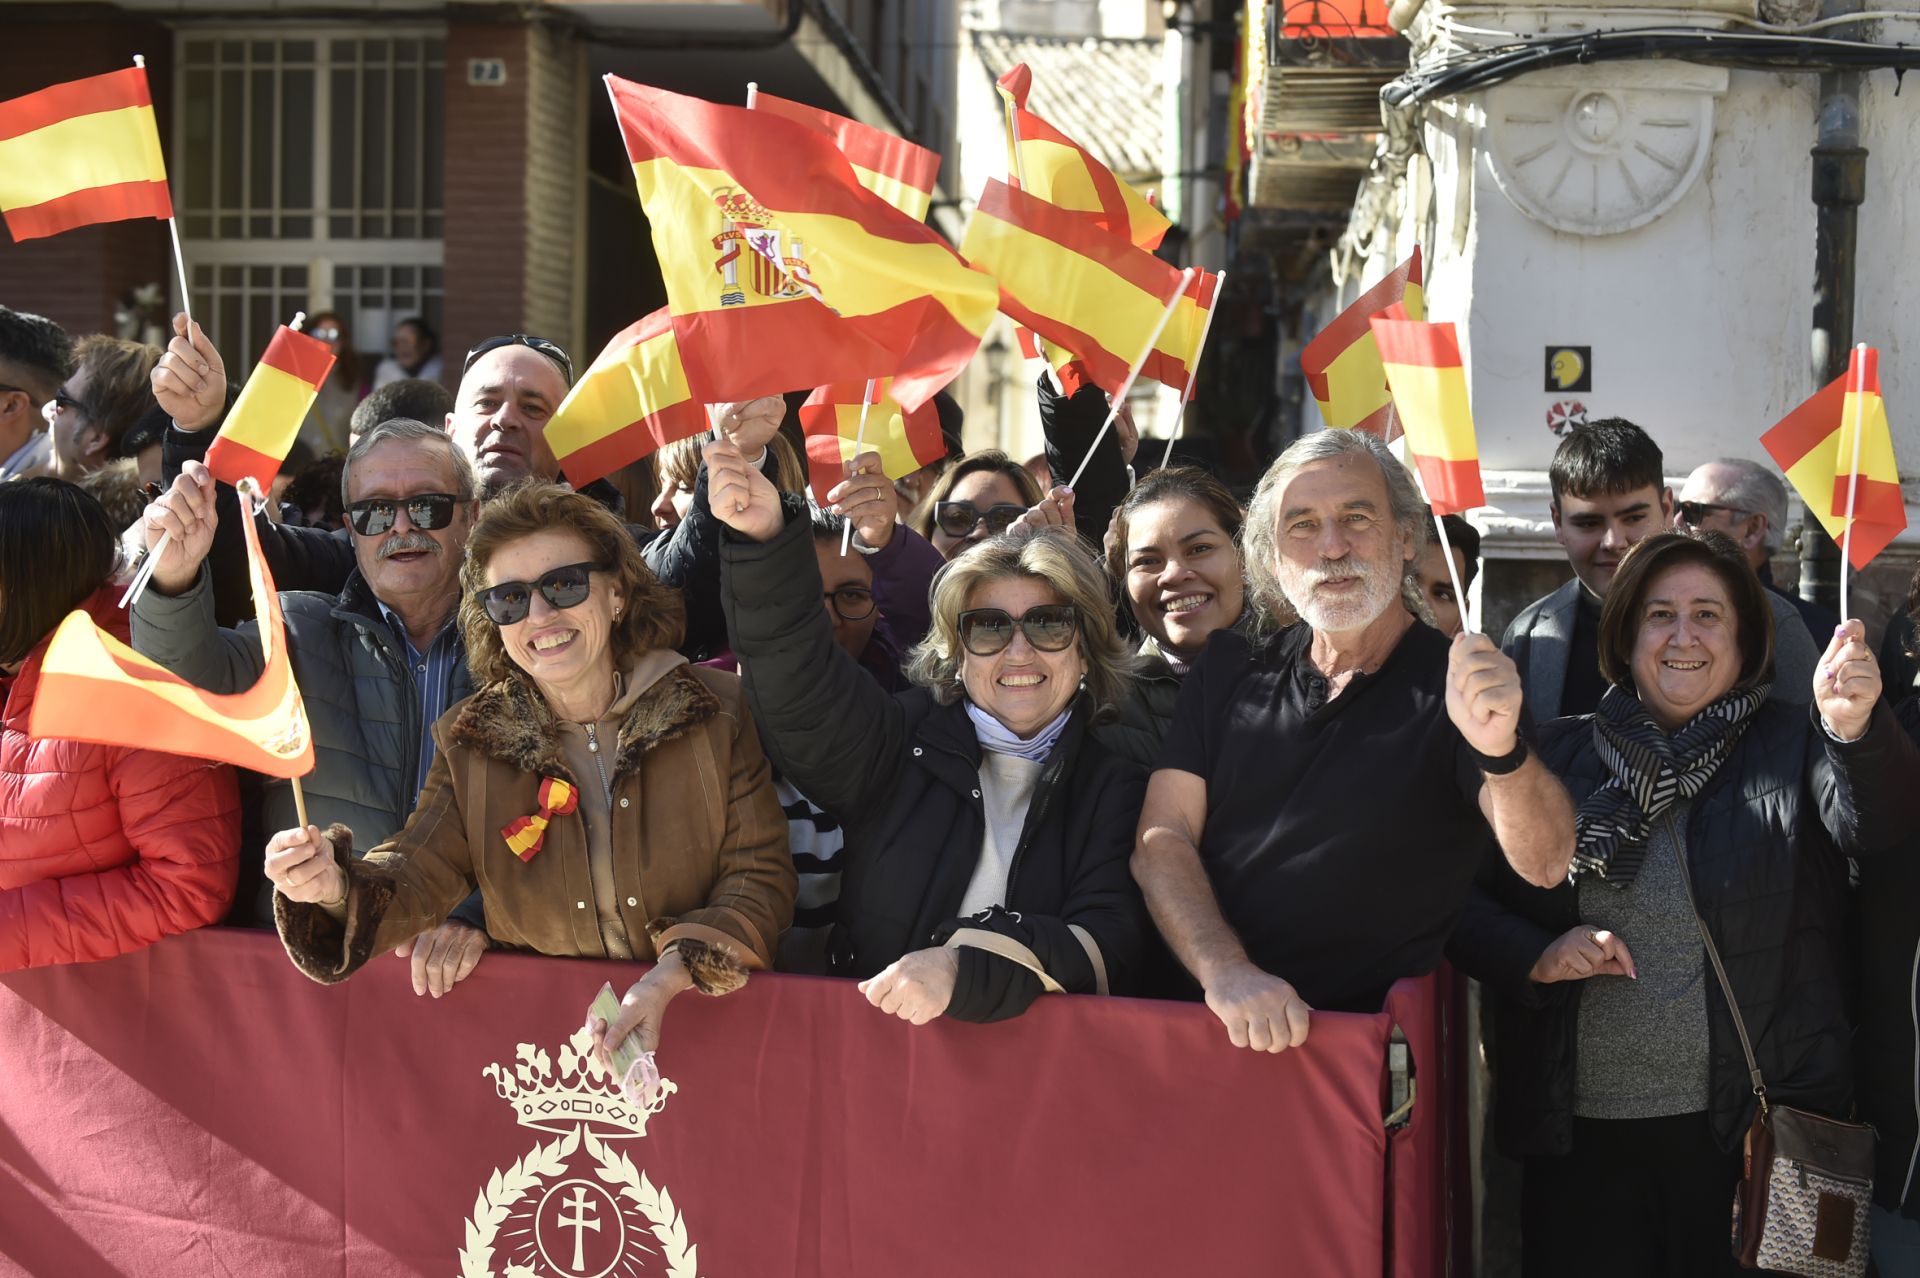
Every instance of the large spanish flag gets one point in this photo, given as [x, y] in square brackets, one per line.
[1429, 384]
[81, 152]
[1086, 291]
[781, 269]
[906, 440]
[893, 168]
[1342, 363]
[265, 420]
[95, 688]
[1814, 446]
[632, 401]
[1047, 163]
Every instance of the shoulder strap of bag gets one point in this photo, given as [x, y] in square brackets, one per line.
[1720, 970]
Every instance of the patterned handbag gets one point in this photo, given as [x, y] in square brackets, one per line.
[1804, 1202]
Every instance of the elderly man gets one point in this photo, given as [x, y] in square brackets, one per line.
[377, 664]
[1609, 492]
[1747, 502]
[1325, 793]
[509, 388]
[36, 356]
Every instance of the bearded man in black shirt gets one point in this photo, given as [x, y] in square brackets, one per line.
[1326, 791]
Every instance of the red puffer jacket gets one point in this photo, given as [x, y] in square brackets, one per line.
[104, 850]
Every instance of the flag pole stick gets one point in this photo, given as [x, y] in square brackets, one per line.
[753, 93]
[1193, 371]
[1453, 569]
[1853, 472]
[173, 230]
[1133, 373]
[859, 441]
[300, 803]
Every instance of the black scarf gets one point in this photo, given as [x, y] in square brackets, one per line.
[1649, 770]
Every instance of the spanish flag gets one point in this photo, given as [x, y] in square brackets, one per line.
[1429, 383]
[1342, 363]
[1814, 446]
[781, 269]
[830, 419]
[1085, 291]
[633, 400]
[265, 420]
[1047, 163]
[95, 688]
[81, 152]
[891, 167]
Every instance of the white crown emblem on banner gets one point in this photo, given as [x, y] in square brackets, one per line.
[583, 1092]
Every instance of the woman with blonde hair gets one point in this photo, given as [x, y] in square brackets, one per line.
[987, 831]
[608, 799]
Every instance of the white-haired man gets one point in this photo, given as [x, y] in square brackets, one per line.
[1747, 502]
[1325, 793]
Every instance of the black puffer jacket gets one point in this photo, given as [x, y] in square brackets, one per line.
[901, 773]
[1887, 1049]
[1766, 843]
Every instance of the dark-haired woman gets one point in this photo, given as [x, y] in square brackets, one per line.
[1621, 1078]
[103, 850]
[608, 799]
[976, 498]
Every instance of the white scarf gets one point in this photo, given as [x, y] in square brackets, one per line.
[997, 737]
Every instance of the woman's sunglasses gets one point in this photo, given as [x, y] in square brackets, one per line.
[564, 587]
[425, 511]
[958, 518]
[1048, 627]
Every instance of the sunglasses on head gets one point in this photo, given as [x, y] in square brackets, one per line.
[1693, 512]
[958, 518]
[425, 511]
[1048, 627]
[564, 587]
[538, 344]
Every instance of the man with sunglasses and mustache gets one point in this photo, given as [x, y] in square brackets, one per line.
[377, 663]
[509, 387]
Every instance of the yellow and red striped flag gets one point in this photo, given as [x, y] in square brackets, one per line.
[896, 170]
[781, 269]
[632, 401]
[95, 688]
[81, 152]
[1342, 364]
[1813, 445]
[1429, 383]
[1049, 164]
[830, 419]
[265, 420]
[1086, 291]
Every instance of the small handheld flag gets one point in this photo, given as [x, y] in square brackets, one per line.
[266, 419]
[79, 153]
[632, 401]
[1422, 365]
[830, 419]
[1342, 363]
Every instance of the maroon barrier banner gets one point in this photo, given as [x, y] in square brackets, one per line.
[201, 1108]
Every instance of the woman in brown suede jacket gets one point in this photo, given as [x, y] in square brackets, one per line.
[608, 799]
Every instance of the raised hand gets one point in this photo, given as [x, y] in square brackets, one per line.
[301, 867]
[749, 424]
[1054, 511]
[867, 498]
[190, 381]
[184, 514]
[742, 498]
[1483, 694]
[1846, 683]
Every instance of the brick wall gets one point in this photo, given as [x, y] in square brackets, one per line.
[486, 159]
[77, 277]
[555, 178]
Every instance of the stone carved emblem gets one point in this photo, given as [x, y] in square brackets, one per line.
[574, 1206]
[1602, 150]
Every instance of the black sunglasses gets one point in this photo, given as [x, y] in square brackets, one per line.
[850, 603]
[958, 518]
[1048, 627]
[62, 400]
[1695, 511]
[540, 344]
[425, 511]
[564, 587]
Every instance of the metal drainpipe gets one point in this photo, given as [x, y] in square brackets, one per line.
[1839, 188]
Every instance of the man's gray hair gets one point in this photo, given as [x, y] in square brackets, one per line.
[1260, 534]
[407, 430]
[1758, 491]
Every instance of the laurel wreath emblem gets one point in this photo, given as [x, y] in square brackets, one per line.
[503, 1189]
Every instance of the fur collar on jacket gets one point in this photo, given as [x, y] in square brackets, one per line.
[510, 721]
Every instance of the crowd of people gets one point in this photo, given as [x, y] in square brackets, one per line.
[1135, 738]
